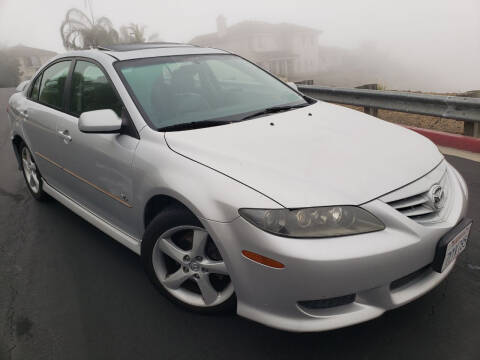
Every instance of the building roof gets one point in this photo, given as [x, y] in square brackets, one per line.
[248, 28]
[21, 50]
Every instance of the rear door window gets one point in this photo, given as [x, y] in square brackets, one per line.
[52, 86]
[35, 88]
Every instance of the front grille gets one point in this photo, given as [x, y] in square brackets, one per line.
[414, 206]
[328, 303]
[414, 200]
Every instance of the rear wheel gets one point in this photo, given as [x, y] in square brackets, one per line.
[184, 263]
[31, 174]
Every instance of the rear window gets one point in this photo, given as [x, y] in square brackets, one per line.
[36, 88]
[52, 88]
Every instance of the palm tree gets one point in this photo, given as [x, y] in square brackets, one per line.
[132, 33]
[135, 33]
[80, 31]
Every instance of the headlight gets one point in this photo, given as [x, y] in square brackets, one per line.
[314, 222]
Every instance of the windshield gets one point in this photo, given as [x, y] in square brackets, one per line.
[177, 90]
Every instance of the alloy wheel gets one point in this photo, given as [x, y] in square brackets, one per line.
[189, 266]
[30, 171]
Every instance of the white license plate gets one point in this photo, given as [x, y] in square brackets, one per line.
[456, 246]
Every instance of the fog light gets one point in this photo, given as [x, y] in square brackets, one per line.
[328, 303]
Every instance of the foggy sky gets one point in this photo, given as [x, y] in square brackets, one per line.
[437, 36]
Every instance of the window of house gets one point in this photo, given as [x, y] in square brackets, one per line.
[226, 71]
[27, 61]
[35, 61]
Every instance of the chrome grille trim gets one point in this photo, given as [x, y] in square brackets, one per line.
[417, 211]
[409, 202]
[414, 201]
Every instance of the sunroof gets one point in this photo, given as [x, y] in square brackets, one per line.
[141, 46]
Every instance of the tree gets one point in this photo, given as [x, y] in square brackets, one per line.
[135, 33]
[82, 31]
[9, 71]
[132, 33]
[79, 31]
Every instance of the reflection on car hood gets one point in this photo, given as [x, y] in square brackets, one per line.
[323, 154]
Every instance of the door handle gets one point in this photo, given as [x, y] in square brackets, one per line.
[24, 113]
[65, 135]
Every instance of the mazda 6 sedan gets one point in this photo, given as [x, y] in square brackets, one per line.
[238, 192]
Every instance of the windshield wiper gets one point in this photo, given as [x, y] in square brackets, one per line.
[274, 109]
[194, 125]
[210, 123]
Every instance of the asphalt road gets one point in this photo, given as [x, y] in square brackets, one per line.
[67, 291]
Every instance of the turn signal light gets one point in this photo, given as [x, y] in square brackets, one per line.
[262, 259]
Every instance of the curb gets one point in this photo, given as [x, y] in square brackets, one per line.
[455, 141]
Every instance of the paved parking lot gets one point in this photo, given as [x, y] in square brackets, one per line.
[67, 291]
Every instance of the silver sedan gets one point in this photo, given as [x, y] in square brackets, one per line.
[237, 191]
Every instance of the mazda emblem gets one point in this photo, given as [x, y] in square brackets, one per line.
[437, 196]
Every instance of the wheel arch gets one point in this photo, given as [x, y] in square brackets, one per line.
[17, 141]
[157, 203]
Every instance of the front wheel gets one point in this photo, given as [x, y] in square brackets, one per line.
[184, 263]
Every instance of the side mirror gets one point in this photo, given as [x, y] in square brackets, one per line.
[292, 85]
[99, 121]
[22, 86]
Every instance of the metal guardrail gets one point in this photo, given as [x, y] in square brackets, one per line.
[451, 107]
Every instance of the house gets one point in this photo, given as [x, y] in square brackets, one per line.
[29, 59]
[287, 50]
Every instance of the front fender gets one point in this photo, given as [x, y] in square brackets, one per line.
[209, 194]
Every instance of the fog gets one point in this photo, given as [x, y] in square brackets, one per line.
[429, 45]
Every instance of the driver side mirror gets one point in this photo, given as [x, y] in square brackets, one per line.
[99, 121]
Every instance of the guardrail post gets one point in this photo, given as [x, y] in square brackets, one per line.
[368, 109]
[471, 129]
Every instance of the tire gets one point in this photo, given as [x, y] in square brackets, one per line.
[32, 176]
[196, 269]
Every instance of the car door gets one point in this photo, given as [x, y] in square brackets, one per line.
[43, 108]
[98, 167]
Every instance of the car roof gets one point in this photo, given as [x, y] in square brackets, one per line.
[143, 50]
[141, 46]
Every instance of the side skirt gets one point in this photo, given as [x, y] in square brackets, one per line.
[123, 238]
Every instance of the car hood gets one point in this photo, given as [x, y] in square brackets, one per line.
[319, 155]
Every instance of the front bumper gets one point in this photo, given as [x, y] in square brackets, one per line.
[364, 265]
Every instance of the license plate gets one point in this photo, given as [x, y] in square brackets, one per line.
[452, 245]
